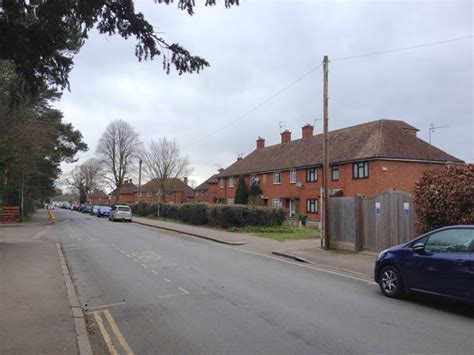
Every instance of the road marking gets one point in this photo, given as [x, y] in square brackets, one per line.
[122, 251]
[183, 292]
[129, 255]
[104, 333]
[136, 260]
[300, 265]
[118, 333]
[172, 264]
[153, 271]
[105, 306]
[144, 266]
[41, 233]
[164, 278]
[85, 247]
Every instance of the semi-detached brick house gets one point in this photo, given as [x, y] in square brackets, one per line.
[178, 191]
[99, 197]
[126, 194]
[366, 159]
[201, 193]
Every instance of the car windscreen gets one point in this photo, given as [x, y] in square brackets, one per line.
[124, 209]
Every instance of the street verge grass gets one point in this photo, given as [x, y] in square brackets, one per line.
[280, 233]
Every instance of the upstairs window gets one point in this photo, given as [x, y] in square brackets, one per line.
[221, 183]
[335, 173]
[360, 170]
[276, 178]
[292, 176]
[311, 174]
[231, 182]
[253, 179]
[148, 194]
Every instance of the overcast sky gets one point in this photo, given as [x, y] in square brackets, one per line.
[259, 48]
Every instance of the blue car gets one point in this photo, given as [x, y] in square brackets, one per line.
[438, 263]
[104, 211]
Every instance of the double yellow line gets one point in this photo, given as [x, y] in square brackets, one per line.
[115, 329]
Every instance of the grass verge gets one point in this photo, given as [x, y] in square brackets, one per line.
[281, 233]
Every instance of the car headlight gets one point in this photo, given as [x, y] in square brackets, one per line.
[382, 254]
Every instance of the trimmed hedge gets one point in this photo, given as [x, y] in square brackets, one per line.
[223, 216]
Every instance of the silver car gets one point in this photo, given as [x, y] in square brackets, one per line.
[121, 213]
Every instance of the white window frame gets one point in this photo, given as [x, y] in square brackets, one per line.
[293, 176]
[275, 175]
[308, 210]
[360, 170]
[335, 169]
[221, 183]
[149, 194]
[253, 179]
[276, 203]
[315, 174]
[230, 182]
[230, 201]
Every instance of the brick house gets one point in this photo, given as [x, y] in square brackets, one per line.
[99, 197]
[365, 159]
[201, 193]
[178, 191]
[126, 194]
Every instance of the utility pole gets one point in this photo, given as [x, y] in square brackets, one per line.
[325, 216]
[139, 186]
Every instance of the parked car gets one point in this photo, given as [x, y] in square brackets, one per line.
[438, 263]
[104, 211]
[94, 210]
[121, 213]
[87, 209]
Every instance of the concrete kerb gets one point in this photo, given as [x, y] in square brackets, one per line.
[291, 256]
[192, 234]
[78, 316]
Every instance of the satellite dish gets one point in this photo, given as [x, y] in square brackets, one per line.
[299, 184]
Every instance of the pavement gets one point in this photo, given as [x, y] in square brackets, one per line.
[36, 313]
[306, 250]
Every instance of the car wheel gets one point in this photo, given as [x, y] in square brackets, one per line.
[390, 282]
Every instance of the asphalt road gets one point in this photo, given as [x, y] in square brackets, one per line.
[153, 292]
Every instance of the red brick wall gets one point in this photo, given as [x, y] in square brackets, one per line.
[383, 176]
[174, 197]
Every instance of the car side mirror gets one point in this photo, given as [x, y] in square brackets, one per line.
[419, 248]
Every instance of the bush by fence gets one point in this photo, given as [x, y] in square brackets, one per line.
[445, 197]
[223, 216]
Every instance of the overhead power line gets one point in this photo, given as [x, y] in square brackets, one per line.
[402, 49]
[255, 108]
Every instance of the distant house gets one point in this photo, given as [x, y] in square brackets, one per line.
[126, 194]
[99, 197]
[365, 159]
[177, 191]
[201, 193]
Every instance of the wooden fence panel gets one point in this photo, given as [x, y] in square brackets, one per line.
[379, 222]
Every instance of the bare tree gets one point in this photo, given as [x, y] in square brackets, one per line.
[117, 149]
[163, 161]
[85, 178]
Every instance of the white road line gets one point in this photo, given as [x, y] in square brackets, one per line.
[297, 264]
[122, 251]
[144, 266]
[153, 271]
[136, 260]
[174, 294]
[182, 289]
[172, 264]
[105, 306]
[129, 255]
[164, 278]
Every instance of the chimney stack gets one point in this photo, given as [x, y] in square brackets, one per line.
[260, 143]
[285, 136]
[307, 131]
[185, 180]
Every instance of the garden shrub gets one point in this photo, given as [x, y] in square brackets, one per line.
[445, 197]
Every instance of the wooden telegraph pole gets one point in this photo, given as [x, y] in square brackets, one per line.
[325, 216]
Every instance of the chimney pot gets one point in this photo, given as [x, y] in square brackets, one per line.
[307, 131]
[260, 143]
[285, 136]
[185, 180]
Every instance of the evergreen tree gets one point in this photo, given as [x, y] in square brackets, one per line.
[242, 193]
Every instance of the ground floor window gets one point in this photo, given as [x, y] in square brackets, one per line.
[312, 205]
[230, 201]
[276, 203]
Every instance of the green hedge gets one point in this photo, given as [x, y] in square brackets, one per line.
[223, 216]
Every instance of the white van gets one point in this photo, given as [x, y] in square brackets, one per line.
[121, 213]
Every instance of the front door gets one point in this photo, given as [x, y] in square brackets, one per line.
[292, 208]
